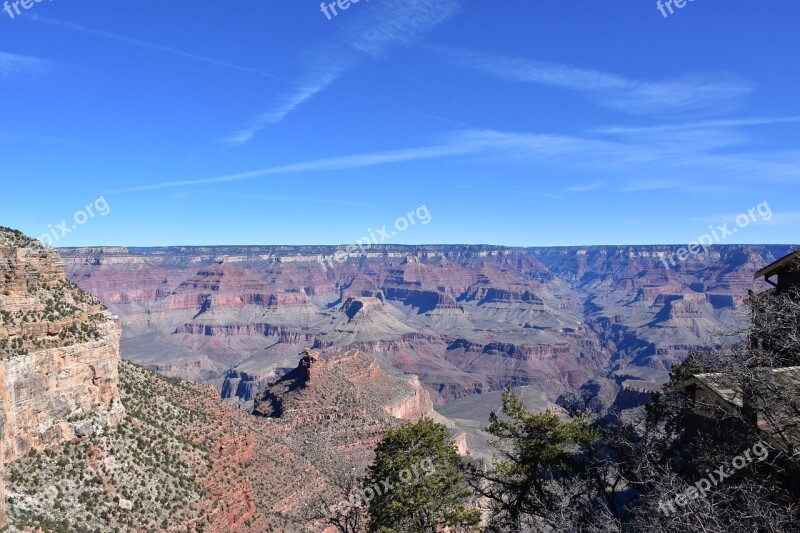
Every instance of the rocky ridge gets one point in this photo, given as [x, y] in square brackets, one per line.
[321, 422]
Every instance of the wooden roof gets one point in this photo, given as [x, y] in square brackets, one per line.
[772, 268]
[723, 385]
[785, 383]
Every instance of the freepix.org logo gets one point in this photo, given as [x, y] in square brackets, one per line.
[666, 5]
[13, 8]
[700, 246]
[759, 450]
[376, 236]
[81, 217]
[343, 5]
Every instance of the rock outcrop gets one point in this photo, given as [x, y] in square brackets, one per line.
[174, 464]
[414, 406]
[324, 419]
[3, 518]
[341, 386]
[49, 394]
[59, 353]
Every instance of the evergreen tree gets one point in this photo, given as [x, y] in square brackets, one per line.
[416, 483]
[539, 453]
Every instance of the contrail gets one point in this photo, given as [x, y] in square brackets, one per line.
[158, 47]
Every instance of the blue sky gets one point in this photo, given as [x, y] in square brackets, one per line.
[533, 124]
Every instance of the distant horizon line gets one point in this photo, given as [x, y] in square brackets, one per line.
[398, 245]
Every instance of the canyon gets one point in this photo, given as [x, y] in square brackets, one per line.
[91, 442]
[465, 319]
[255, 383]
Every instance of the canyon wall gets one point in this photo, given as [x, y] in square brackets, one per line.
[59, 352]
[53, 395]
[465, 319]
[412, 406]
[3, 517]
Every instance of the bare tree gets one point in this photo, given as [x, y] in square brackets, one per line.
[686, 462]
[344, 509]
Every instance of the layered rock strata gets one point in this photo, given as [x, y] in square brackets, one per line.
[59, 353]
[465, 319]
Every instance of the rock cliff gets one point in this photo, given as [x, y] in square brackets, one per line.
[174, 464]
[49, 396]
[59, 353]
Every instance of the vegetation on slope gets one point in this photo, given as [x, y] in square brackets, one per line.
[57, 313]
[145, 473]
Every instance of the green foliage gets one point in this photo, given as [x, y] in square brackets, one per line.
[538, 451]
[695, 364]
[671, 406]
[418, 484]
[63, 307]
[148, 458]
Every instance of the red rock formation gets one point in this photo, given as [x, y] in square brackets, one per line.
[237, 505]
[323, 420]
[545, 316]
[310, 367]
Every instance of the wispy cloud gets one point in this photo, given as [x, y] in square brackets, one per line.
[586, 187]
[394, 23]
[184, 195]
[287, 103]
[548, 195]
[155, 47]
[699, 94]
[488, 143]
[785, 218]
[686, 168]
[699, 125]
[397, 23]
[11, 64]
[304, 90]
[330, 164]
[649, 184]
[386, 25]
